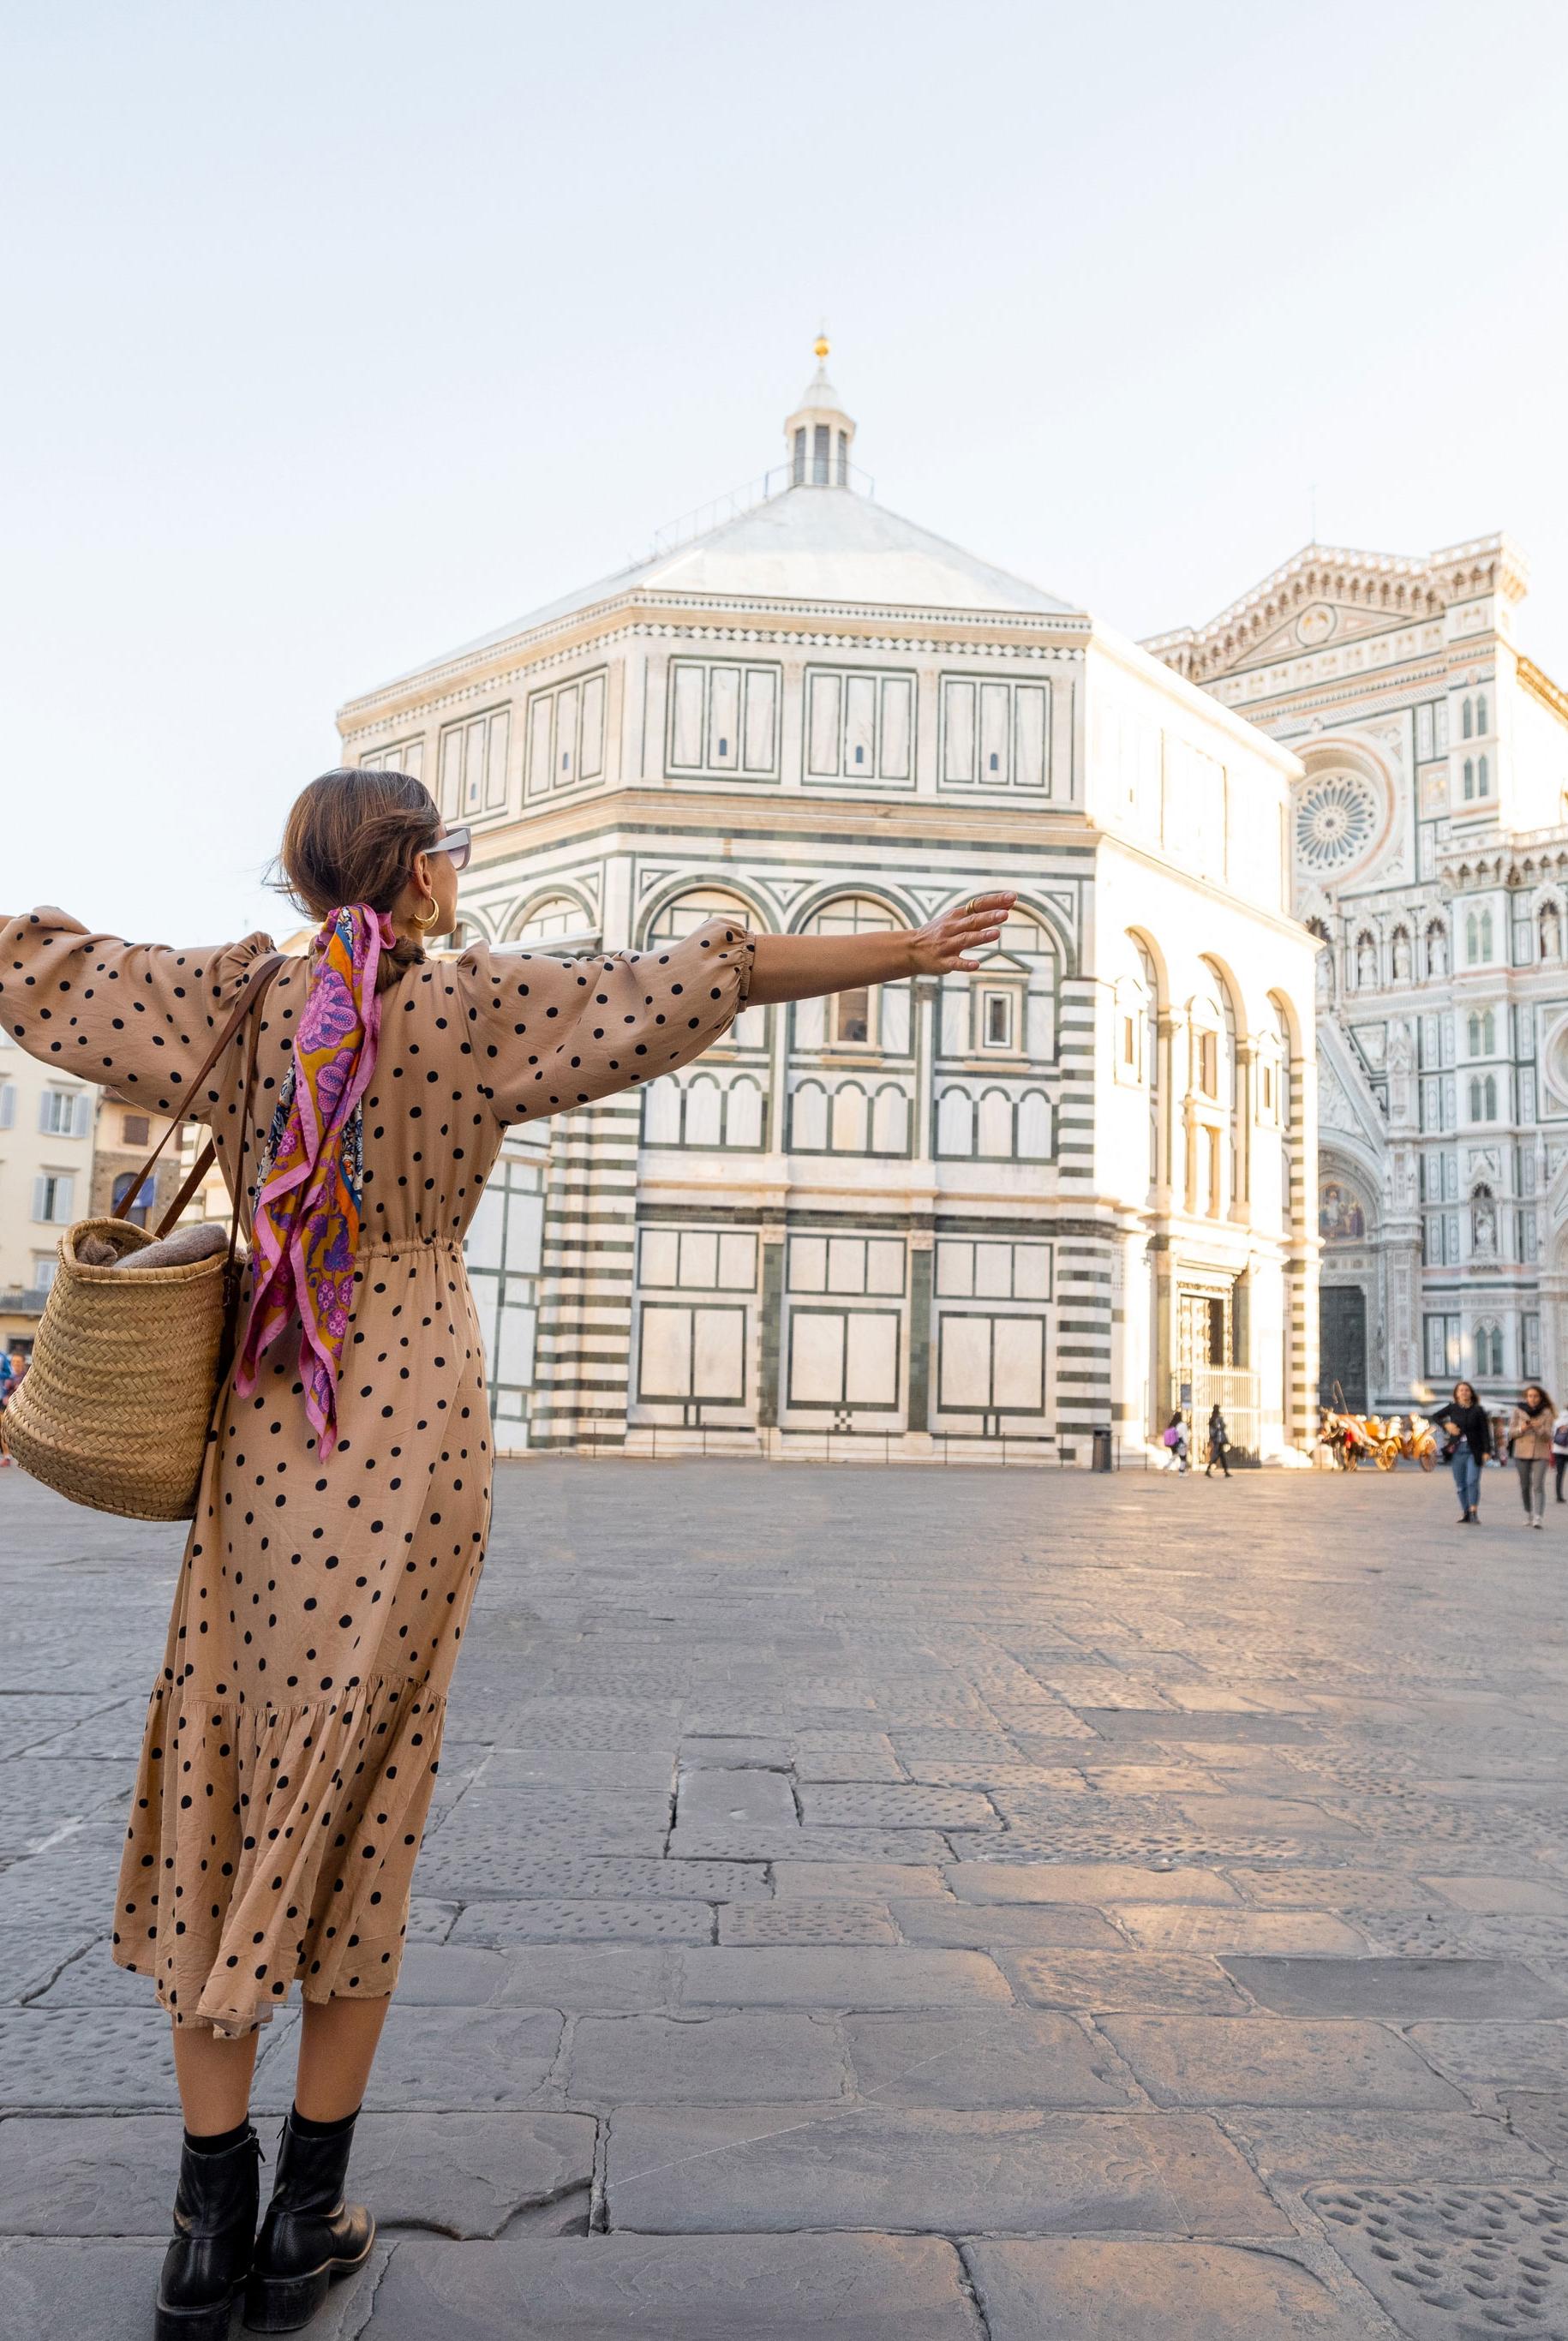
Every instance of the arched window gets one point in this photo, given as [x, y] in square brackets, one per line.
[871, 1016]
[1483, 1097]
[1467, 719]
[1229, 1090]
[1478, 936]
[1480, 715]
[1277, 1028]
[687, 911]
[955, 1123]
[1469, 773]
[1151, 1049]
[1488, 1346]
[1483, 777]
[744, 1117]
[704, 1111]
[1482, 1029]
[552, 919]
[682, 917]
[138, 1212]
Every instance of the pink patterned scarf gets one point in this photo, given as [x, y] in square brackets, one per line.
[310, 1180]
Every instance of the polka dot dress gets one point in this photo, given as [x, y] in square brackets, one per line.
[293, 1737]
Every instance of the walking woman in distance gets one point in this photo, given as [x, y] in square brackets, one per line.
[293, 1736]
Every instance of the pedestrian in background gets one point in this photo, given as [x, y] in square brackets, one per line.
[1530, 1437]
[1560, 1448]
[1218, 1444]
[12, 1367]
[1468, 1445]
[1174, 1439]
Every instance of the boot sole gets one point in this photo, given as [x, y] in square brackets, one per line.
[286, 2304]
[214, 2324]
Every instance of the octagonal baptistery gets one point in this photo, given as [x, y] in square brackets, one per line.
[981, 1217]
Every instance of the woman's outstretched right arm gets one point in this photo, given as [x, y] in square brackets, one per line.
[140, 1016]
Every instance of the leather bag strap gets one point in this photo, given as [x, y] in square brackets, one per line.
[256, 983]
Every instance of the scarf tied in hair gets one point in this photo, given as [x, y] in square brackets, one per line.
[310, 1179]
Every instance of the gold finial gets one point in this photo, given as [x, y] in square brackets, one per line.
[820, 346]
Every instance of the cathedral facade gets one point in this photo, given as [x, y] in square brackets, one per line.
[1429, 849]
[997, 1212]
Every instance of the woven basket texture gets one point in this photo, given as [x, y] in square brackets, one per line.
[115, 1409]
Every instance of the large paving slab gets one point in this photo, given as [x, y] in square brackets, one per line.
[838, 1977]
[1077, 2290]
[1100, 1981]
[1406, 1989]
[708, 2170]
[999, 2056]
[995, 1926]
[440, 2059]
[90, 2291]
[628, 2287]
[1298, 2146]
[755, 2057]
[1101, 1883]
[1257, 2060]
[458, 2174]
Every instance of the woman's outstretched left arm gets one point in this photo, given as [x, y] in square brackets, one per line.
[802, 967]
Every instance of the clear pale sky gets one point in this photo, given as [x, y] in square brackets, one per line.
[339, 334]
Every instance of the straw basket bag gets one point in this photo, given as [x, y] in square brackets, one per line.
[115, 1407]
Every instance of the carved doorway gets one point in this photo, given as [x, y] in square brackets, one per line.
[1342, 1345]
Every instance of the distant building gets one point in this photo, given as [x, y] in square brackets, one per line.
[1430, 851]
[1071, 1192]
[47, 1128]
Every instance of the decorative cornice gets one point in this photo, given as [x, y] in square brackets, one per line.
[1541, 687]
[589, 625]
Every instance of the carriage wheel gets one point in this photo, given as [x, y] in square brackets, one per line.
[1428, 1457]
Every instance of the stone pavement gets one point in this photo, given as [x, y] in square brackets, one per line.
[884, 1903]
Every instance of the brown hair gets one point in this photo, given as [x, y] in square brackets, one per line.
[352, 837]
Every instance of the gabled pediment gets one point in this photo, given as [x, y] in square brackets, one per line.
[1312, 628]
[1346, 1108]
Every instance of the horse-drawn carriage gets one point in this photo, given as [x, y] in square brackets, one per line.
[1354, 1440]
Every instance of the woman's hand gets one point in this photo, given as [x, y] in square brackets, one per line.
[805, 967]
[940, 947]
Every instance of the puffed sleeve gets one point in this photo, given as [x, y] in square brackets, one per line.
[552, 1033]
[141, 1017]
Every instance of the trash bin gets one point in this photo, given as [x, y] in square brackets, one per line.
[1100, 1459]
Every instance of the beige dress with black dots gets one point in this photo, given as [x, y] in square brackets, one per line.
[293, 1737]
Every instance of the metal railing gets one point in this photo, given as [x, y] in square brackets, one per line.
[752, 492]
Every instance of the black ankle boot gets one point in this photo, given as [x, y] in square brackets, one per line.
[206, 2264]
[310, 2236]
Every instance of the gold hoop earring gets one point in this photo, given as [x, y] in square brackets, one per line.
[434, 915]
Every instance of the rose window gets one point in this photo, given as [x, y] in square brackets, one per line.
[1335, 819]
